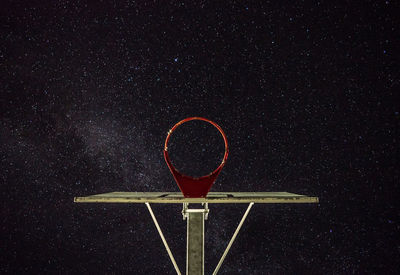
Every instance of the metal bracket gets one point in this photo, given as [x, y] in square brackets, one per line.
[186, 210]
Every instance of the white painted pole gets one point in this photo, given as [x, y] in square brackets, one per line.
[163, 239]
[233, 239]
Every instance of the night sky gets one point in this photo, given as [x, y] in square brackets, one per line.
[306, 92]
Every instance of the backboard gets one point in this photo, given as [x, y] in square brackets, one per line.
[212, 197]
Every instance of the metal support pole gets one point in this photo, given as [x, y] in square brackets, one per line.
[195, 244]
[163, 239]
[195, 239]
[233, 239]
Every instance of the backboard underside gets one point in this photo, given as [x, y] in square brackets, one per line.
[212, 197]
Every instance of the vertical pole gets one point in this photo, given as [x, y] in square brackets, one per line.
[195, 242]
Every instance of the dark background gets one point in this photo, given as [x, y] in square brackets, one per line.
[307, 93]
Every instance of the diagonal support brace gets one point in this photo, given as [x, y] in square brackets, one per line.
[163, 239]
[233, 239]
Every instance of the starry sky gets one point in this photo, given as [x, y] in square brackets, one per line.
[307, 93]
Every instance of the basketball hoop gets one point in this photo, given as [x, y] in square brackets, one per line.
[195, 191]
[195, 187]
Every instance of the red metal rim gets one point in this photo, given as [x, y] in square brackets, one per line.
[203, 119]
[195, 187]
